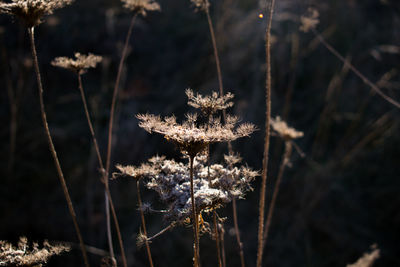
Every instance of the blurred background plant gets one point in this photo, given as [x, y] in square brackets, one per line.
[332, 204]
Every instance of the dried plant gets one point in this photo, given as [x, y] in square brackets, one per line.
[27, 255]
[209, 104]
[80, 64]
[268, 84]
[30, 12]
[310, 20]
[368, 259]
[170, 179]
[283, 130]
[141, 6]
[201, 4]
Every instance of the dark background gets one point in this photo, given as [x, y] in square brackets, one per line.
[333, 204]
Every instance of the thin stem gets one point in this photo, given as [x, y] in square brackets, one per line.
[110, 135]
[96, 146]
[217, 239]
[237, 232]
[144, 223]
[284, 162]
[355, 70]
[194, 218]
[221, 92]
[169, 227]
[51, 146]
[267, 134]
[222, 231]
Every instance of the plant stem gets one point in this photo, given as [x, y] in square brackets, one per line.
[104, 177]
[110, 135]
[267, 134]
[355, 70]
[194, 218]
[221, 92]
[284, 162]
[51, 145]
[217, 239]
[144, 224]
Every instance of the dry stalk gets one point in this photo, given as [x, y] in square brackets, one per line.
[51, 145]
[267, 134]
[195, 221]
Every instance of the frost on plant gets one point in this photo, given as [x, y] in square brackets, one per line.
[213, 187]
[141, 6]
[25, 255]
[80, 64]
[32, 11]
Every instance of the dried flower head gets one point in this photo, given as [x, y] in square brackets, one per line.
[283, 130]
[310, 20]
[30, 12]
[368, 259]
[201, 4]
[24, 255]
[213, 186]
[135, 172]
[211, 103]
[79, 65]
[141, 6]
[192, 138]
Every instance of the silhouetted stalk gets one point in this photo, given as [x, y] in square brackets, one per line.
[110, 133]
[217, 239]
[284, 162]
[237, 232]
[221, 92]
[51, 145]
[194, 218]
[143, 223]
[267, 134]
[102, 171]
[223, 245]
[355, 70]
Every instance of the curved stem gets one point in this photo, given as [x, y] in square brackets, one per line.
[194, 218]
[285, 161]
[110, 135]
[144, 224]
[51, 146]
[267, 134]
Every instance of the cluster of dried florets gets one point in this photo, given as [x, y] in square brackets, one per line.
[24, 255]
[32, 11]
[141, 6]
[283, 130]
[214, 185]
[192, 138]
[209, 104]
[80, 64]
[310, 20]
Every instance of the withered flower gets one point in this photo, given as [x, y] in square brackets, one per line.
[79, 65]
[141, 6]
[310, 20]
[30, 12]
[283, 130]
[211, 103]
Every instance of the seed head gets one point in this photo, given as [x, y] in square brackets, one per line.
[211, 103]
[283, 130]
[79, 65]
[201, 4]
[30, 12]
[25, 255]
[141, 6]
[310, 20]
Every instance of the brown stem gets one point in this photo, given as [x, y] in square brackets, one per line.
[144, 224]
[237, 232]
[285, 161]
[169, 227]
[51, 146]
[221, 92]
[110, 135]
[194, 218]
[222, 231]
[267, 134]
[355, 70]
[217, 239]
[96, 146]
